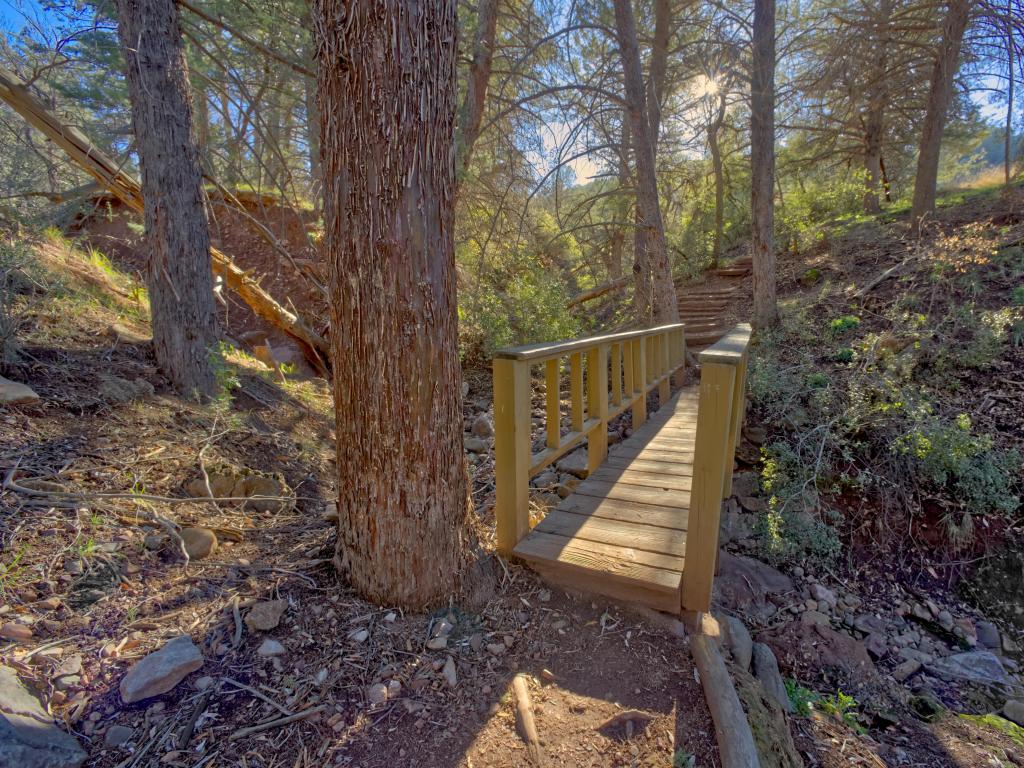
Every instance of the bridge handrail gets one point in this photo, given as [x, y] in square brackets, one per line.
[720, 409]
[621, 368]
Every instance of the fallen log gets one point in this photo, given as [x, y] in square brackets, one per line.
[601, 290]
[126, 188]
[732, 731]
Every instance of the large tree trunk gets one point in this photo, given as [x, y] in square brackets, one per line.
[714, 135]
[664, 307]
[940, 96]
[762, 161]
[1011, 80]
[874, 128]
[472, 110]
[387, 96]
[177, 236]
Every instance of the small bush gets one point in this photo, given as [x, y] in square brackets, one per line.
[842, 324]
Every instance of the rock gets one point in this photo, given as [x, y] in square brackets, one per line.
[575, 463]
[811, 618]
[74, 567]
[734, 525]
[15, 393]
[753, 503]
[1010, 645]
[877, 645]
[766, 669]
[265, 616]
[28, 736]
[544, 480]
[199, 542]
[377, 694]
[359, 636]
[800, 647]
[988, 635]
[945, 619]
[475, 445]
[745, 484]
[737, 640]
[437, 643]
[441, 628]
[823, 594]
[748, 586]
[1014, 712]
[482, 426]
[981, 667]
[161, 670]
[117, 735]
[394, 689]
[906, 669]
[19, 632]
[270, 648]
[449, 673]
[867, 623]
[202, 683]
[496, 649]
[756, 435]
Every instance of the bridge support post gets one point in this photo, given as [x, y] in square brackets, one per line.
[640, 381]
[511, 452]
[738, 409]
[663, 356]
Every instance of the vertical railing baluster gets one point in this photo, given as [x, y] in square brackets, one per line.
[597, 405]
[553, 384]
[616, 356]
[665, 387]
[640, 381]
[576, 390]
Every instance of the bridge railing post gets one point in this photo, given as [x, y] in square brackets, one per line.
[719, 414]
[512, 451]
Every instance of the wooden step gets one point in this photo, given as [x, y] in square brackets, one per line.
[705, 338]
[733, 271]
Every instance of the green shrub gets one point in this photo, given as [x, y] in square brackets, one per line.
[840, 325]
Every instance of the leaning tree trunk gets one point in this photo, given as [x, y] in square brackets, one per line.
[940, 97]
[387, 93]
[664, 307]
[177, 236]
[762, 162]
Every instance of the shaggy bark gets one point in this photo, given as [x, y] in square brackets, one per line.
[387, 95]
[1011, 78]
[762, 160]
[664, 307]
[177, 236]
[940, 96]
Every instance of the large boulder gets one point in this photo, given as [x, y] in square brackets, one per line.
[28, 736]
[16, 393]
[979, 667]
[748, 586]
[766, 670]
[803, 649]
[161, 670]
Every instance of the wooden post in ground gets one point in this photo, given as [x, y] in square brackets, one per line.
[553, 396]
[736, 424]
[511, 452]
[576, 390]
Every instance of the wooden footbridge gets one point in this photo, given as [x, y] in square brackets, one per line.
[643, 525]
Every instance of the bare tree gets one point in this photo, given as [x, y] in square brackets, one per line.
[387, 95]
[762, 162]
[940, 96]
[177, 235]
